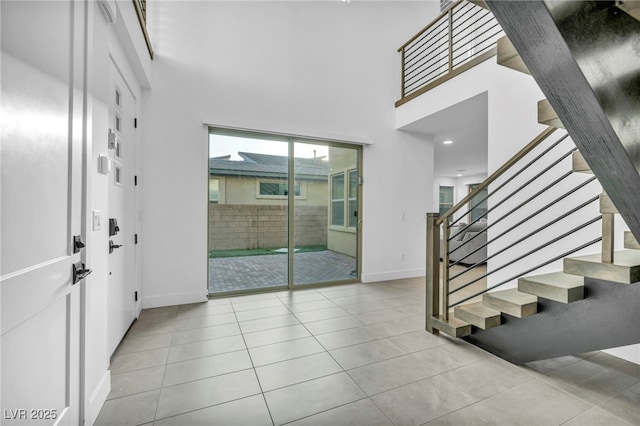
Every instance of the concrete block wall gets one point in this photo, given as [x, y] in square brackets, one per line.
[249, 226]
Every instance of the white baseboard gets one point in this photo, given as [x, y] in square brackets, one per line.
[97, 398]
[173, 299]
[392, 275]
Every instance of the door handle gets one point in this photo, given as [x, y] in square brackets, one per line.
[79, 272]
[113, 246]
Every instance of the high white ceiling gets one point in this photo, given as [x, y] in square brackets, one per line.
[465, 123]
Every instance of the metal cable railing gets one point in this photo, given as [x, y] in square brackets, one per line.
[536, 207]
[456, 40]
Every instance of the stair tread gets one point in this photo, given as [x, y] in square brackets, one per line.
[512, 302]
[630, 241]
[606, 205]
[479, 309]
[625, 268]
[547, 115]
[623, 258]
[558, 286]
[508, 56]
[479, 315]
[579, 164]
[512, 296]
[557, 279]
[453, 326]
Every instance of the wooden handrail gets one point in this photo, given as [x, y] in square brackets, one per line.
[495, 175]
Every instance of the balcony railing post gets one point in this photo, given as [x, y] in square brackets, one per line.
[445, 268]
[433, 271]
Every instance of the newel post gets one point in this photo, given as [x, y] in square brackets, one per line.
[433, 271]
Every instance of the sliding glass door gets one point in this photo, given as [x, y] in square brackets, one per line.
[327, 217]
[283, 212]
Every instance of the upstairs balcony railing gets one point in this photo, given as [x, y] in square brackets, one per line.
[141, 11]
[454, 42]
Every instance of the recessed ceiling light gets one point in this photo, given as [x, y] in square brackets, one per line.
[459, 175]
[447, 142]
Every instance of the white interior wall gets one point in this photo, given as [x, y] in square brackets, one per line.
[326, 69]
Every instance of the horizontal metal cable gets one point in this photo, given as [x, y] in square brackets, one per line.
[529, 235]
[528, 200]
[562, 256]
[430, 31]
[425, 76]
[470, 24]
[505, 199]
[435, 49]
[429, 80]
[530, 252]
[489, 46]
[521, 170]
[427, 64]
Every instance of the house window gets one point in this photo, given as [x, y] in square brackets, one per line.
[277, 189]
[446, 199]
[478, 204]
[344, 199]
[337, 199]
[214, 191]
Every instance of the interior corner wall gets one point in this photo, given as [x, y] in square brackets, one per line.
[308, 68]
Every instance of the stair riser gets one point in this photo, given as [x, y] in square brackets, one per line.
[510, 309]
[547, 116]
[551, 293]
[508, 56]
[579, 164]
[630, 242]
[606, 205]
[602, 271]
[483, 323]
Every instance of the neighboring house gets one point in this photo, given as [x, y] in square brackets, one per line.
[248, 202]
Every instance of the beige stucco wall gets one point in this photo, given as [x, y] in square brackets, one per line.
[342, 240]
[244, 190]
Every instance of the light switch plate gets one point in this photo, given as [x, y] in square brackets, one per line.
[97, 220]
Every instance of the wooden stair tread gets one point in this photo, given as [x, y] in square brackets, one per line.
[625, 268]
[507, 56]
[454, 327]
[479, 315]
[631, 7]
[512, 302]
[606, 205]
[630, 241]
[557, 286]
[547, 116]
[579, 164]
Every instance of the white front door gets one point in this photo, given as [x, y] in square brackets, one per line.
[121, 281]
[42, 205]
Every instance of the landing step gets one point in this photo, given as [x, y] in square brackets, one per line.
[625, 268]
[508, 56]
[453, 326]
[630, 242]
[479, 315]
[556, 286]
[547, 116]
[606, 205]
[512, 302]
[631, 7]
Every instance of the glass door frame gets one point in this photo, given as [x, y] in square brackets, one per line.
[292, 140]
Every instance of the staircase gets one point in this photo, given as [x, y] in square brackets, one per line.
[592, 303]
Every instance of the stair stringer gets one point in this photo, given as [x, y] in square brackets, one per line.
[569, 53]
[608, 317]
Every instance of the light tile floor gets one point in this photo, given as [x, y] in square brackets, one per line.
[345, 355]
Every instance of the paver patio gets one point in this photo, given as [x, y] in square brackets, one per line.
[254, 272]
